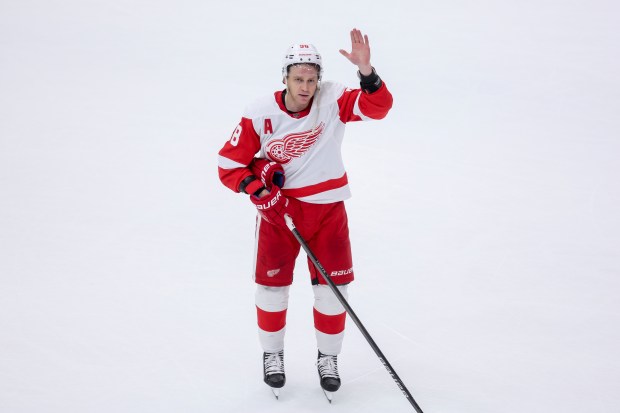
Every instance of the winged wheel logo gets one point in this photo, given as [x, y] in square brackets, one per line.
[293, 145]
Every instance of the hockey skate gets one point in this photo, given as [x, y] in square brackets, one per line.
[327, 367]
[273, 371]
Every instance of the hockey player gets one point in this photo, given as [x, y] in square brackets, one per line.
[297, 134]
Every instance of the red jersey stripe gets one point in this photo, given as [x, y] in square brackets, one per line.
[316, 188]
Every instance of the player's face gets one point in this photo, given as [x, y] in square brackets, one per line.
[302, 81]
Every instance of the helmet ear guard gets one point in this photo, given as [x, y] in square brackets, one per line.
[301, 53]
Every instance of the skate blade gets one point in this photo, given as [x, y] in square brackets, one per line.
[329, 395]
[276, 392]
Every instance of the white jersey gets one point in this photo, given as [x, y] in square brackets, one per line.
[307, 144]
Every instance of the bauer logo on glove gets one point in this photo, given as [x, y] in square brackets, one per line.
[272, 207]
[270, 201]
[270, 173]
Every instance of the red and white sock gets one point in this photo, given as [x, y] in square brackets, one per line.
[271, 305]
[329, 319]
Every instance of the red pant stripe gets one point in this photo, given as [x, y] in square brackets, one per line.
[271, 321]
[329, 324]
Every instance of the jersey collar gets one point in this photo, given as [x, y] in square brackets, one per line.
[297, 115]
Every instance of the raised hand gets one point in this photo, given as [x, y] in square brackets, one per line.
[360, 52]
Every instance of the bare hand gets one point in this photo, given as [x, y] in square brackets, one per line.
[360, 52]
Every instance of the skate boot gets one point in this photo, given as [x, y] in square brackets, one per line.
[328, 373]
[273, 369]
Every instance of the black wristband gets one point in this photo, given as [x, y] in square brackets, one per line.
[370, 83]
[246, 182]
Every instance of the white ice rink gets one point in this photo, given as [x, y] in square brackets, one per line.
[484, 217]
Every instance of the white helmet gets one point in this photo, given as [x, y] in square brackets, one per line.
[301, 53]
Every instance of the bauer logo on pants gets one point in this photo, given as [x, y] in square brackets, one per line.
[341, 272]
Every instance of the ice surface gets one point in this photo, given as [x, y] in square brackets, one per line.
[484, 221]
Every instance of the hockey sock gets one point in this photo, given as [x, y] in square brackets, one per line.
[271, 306]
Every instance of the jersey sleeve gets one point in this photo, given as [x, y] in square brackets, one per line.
[236, 154]
[356, 104]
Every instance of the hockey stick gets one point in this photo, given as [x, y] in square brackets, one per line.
[347, 307]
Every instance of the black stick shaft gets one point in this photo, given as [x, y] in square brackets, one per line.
[354, 317]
